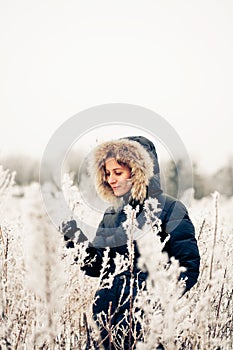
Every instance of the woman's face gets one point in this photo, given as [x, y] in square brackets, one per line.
[118, 177]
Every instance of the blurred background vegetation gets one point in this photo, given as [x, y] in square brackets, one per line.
[27, 171]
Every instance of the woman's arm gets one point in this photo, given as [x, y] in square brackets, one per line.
[93, 261]
[182, 244]
[73, 235]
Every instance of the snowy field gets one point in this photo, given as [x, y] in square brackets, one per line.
[45, 299]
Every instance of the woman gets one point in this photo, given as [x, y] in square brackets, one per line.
[127, 172]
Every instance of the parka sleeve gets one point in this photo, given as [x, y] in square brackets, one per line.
[94, 259]
[182, 244]
[108, 234]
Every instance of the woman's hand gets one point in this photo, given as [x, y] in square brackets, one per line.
[72, 234]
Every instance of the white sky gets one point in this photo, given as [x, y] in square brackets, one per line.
[174, 57]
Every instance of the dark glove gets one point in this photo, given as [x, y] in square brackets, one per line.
[68, 229]
[72, 233]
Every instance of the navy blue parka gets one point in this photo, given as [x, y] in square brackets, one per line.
[176, 227]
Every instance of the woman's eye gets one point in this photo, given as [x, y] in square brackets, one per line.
[118, 173]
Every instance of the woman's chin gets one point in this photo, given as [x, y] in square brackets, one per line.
[117, 194]
[120, 193]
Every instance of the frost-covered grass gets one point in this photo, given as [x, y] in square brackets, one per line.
[45, 299]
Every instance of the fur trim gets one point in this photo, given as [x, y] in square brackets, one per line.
[133, 154]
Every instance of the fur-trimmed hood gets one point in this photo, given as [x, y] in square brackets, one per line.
[139, 154]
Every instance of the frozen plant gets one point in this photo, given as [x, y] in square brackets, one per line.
[201, 319]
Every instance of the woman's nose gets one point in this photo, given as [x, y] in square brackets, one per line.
[112, 179]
